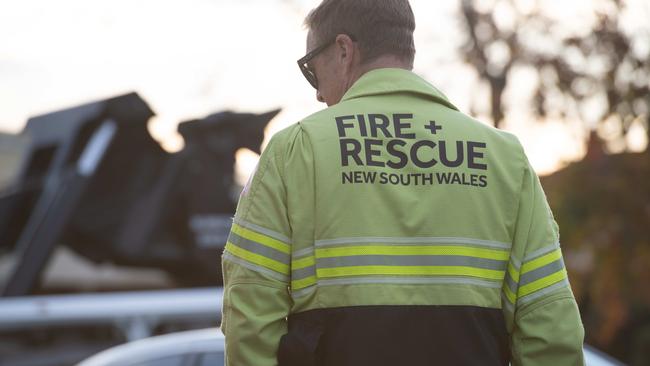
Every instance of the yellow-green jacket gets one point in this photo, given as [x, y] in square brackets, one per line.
[391, 229]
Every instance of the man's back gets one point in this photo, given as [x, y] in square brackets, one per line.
[408, 233]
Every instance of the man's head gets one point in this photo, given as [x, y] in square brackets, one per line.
[352, 37]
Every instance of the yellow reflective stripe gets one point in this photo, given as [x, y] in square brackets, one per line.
[511, 296]
[303, 263]
[412, 250]
[257, 259]
[542, 283]
[541, 261]
[261, 239]
[410, 270]
[513, 272]
[302, 283]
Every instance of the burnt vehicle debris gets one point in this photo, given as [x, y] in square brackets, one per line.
[93, 179]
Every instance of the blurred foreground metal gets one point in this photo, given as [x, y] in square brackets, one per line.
[135, 313]
[61, 330]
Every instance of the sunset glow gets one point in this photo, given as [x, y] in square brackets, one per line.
[192, 58]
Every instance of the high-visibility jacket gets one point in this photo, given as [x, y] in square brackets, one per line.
[391, 229]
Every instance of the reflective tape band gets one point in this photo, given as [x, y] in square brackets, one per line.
[506, 303]
[510, 296]
[297, 293]
[261, 239]
[541, 251]
[262, 230]
[303, 262]
[257, 248]
[298, 274]
[516, 264]
[542, 283]
[383, 261]
[253, 267]
[540, 261]
[411, 260]
[564, 283]
[544, 269]
[512, 274]
[303, 283]
[257, 259]
[510, 282]
[413, 240]
[420, 250]
[411, 280]
[303, 252]
[541, 272]
[310, 286]
[303, 273]
[410, 270]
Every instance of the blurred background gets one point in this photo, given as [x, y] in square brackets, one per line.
[127, 129]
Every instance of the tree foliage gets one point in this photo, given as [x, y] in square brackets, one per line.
[599, 75]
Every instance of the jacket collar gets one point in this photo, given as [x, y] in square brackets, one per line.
[389, 80]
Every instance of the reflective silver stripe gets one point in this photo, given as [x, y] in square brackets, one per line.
[541, 272]
[263, 230]
[305, 252]
[409, 280]
[511, 283]
[229, 257]
[535, 295]
[410, 260]
[298, 274]
[412, 240]
[540, 252]
[260, 249]
[304, 291]
[515, 263]
[506, 303]
[398, 281]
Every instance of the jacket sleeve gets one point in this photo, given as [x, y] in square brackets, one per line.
[255, 265]
[544, 321]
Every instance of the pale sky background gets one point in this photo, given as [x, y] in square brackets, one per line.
[191, 58]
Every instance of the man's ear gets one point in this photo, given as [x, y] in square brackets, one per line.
[345, 48]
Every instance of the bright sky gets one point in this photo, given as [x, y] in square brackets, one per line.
[194, 57]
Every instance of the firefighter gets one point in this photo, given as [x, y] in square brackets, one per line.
[390, 228]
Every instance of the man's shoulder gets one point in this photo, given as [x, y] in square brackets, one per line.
[310, 124]
[283, 139]
[508, 138]
[327, 114]
[287, 134]
[502, 145]
[299, 133]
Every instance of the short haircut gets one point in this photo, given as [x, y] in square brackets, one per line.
[381, 27]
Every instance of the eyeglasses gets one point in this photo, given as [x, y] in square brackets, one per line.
[303, 63]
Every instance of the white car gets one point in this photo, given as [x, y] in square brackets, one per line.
[594, 357]
[205, 347]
